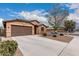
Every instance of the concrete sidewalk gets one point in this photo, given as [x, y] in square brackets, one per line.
[72, 49]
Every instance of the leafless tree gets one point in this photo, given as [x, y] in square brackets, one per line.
[57, 15]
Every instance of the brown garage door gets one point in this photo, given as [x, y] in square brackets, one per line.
[20, 30]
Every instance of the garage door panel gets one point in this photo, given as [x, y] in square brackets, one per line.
[20, 30]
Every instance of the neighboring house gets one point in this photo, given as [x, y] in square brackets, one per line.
[20, 27]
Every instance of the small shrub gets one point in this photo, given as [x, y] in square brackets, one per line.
[44, 34]
[61, 34]
[54, 35]
[8, 48]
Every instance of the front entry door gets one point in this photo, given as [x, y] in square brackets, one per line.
[36, 29]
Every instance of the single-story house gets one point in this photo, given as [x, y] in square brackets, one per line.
[19, 27]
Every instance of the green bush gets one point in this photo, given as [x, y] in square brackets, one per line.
[8, 48]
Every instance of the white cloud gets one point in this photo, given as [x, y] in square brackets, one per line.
[35, 15]
[11, 12]
[73, 5]
[77, 11]
[8, 9]
[74, 17]
[12, 15]
[1, 23]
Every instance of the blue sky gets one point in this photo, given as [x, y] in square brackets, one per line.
[18, 7]
[35, 11]
[8, 9]
[27, 6]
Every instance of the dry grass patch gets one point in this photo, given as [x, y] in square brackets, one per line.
[66, 39]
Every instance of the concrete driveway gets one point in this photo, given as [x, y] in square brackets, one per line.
[39, 46]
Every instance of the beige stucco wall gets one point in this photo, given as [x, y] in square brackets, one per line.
[40, 29]
[8, 26]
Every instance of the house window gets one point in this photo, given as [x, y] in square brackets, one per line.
[42, 28]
